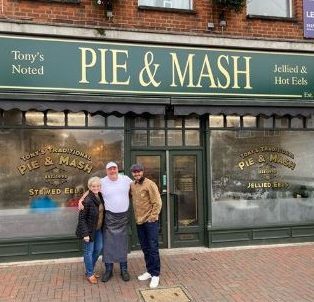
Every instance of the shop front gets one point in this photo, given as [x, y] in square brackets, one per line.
[225, 133]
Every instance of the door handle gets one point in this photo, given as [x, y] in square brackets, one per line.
[175, 211]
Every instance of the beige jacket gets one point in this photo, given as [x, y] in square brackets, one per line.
[146, 201]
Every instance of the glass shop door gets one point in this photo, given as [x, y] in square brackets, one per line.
[178, 175]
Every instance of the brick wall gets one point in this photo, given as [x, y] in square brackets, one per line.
[127, 15]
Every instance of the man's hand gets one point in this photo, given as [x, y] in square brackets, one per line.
[80, 205]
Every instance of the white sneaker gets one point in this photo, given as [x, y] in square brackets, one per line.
[144, 276]
[154, 282]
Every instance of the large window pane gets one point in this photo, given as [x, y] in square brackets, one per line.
[185, 188]
[76, 119]
[157, 137]
[34, 118]
[43, 172]
[178, 4]
[262, 179]
[192, 138]
[175, 138]
[273, 8]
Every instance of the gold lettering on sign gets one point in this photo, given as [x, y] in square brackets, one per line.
[184, 72]
[118, 59]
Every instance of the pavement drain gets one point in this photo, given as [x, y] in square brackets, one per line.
[170, 294]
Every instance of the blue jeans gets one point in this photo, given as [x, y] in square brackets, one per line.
[148, 237]
[92, 250]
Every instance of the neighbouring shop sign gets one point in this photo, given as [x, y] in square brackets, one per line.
[308, 16]
[74, 66]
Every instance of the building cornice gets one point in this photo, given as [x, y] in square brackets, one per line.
[153, 37]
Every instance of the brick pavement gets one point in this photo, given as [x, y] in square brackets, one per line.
[280, 273]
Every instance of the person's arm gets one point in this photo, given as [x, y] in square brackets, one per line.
[155, 200]
[80, 205]
[83, 225]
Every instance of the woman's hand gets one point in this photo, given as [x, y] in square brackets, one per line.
[86, 238]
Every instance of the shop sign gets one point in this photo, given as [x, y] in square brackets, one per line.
[266, 159]
[308, 17]
[77, 66]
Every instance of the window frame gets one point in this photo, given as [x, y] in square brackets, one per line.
[165, 8]
[290, 14]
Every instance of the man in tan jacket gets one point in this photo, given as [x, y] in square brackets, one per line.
[147, 205]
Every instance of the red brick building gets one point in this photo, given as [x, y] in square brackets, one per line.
[214, 97]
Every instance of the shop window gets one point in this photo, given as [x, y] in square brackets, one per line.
[265, 122]
[233, 121]
[216, 121]
[55, 119]
[192, 138]
[310, 122]
[12, 117]
[249, 121]
[169, 4]
[44, 172]
[176, 122]
[76, 119]
[115, 121]
[157, 137]
[139, 138]
[270, 8]
[297, 122]
[96, 120]
[175, 138]
[34, 118]
[139, 122]
[281, 122]
[192, 122]
[157, 122]
[261, 180]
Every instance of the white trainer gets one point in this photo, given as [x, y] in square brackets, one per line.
[144, 276]
[154, 282]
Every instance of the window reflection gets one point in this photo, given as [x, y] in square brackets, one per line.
[97, 120]
[157, 137]
[175, 138]
[249, 121]
[48, 170]
[34, 118]
[233, 121]
[266, 122]
[281, 122]
[192, 138]
[12, 117]
[216, 121]
[175, 122]
[139, 138]
[185, 189]
[297, 122]
[55, 119]
[76, 119]
[262, 179]
[192, 122]
[115, 121]
[157, 122]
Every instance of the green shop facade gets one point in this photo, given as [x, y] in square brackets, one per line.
[227, 134]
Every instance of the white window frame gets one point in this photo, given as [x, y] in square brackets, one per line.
[252, 12]
[167, 4]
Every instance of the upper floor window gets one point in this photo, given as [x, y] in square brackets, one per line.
[175, 4]
[270, 8]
